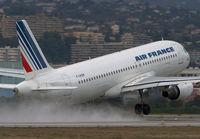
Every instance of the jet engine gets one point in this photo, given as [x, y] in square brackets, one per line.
[179, 92]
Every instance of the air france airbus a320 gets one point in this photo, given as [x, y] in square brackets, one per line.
[135, 70]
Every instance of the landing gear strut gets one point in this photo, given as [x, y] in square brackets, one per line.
[142, 108]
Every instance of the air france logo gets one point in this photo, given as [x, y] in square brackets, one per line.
[154, 53]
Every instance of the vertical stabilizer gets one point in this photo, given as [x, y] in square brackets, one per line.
[32, 57]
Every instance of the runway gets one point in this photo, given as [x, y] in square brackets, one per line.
[145, 121]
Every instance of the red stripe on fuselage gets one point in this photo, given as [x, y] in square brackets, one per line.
[25, 64]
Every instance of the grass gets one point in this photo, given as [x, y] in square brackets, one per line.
[101, 133]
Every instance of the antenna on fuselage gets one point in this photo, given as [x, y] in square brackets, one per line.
[162, 38]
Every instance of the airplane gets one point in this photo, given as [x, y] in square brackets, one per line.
[134, 71]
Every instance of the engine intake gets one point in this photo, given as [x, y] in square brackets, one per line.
[179, 92]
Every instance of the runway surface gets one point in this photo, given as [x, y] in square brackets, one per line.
[145, 121]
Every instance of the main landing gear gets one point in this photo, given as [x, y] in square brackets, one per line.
[142, 108]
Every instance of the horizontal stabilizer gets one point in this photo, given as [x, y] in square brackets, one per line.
[7, 86]
[18, 73]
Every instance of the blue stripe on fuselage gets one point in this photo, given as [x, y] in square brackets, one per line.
[35, 49]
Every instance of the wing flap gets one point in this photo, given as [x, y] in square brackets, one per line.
[152, 82]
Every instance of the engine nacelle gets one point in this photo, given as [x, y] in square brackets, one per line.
[179, 92]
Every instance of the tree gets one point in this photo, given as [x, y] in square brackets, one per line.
[53, 47]
[68, 41]
[22, 9]
[56, 49]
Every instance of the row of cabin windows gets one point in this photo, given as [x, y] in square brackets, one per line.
[125, 69]
[107, 74]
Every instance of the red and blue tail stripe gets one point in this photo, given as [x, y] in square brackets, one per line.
[25, 64]
[26, 53]
[32, 56]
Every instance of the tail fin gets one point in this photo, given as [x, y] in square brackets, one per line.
[33, 59]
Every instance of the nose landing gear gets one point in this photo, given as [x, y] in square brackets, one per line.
[142, 108]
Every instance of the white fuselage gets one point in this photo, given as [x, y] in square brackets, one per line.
[103, 76]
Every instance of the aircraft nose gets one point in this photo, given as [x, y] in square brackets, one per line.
[186, 56]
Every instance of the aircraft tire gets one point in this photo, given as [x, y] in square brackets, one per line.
[138, 108]
[146, 109]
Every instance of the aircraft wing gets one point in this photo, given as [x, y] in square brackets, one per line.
[19, 73]
[152, 82]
